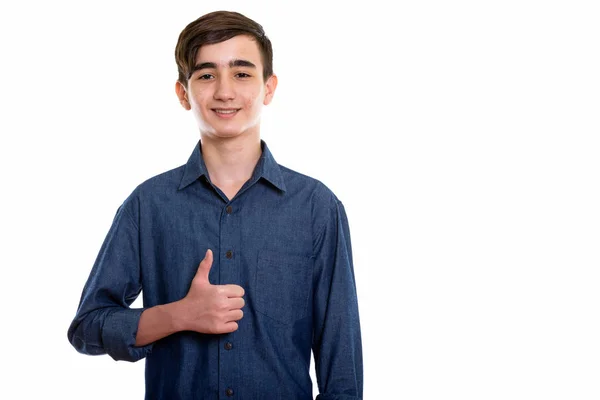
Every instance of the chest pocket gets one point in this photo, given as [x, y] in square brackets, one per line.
[283, 286]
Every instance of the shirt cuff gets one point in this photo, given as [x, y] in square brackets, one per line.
[119, 333]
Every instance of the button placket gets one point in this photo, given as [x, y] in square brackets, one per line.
[229, 241]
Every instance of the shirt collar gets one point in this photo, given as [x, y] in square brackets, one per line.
[266, 168]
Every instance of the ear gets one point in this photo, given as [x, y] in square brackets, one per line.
[182, 95]
[270, 87]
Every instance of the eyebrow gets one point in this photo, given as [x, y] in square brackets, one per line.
[212, 65]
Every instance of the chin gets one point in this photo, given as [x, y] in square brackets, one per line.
[229, 132]
[226, 133]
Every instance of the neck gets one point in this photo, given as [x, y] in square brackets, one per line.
[230, 161]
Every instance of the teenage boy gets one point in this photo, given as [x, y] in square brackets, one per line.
[275, 275]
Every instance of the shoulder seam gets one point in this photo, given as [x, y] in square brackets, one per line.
[332, 208]
[131, 218]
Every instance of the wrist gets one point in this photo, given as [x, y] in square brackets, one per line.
[176, 316]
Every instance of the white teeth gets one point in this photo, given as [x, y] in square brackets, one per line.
[225, 111]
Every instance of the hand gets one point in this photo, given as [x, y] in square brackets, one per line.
[211, 308]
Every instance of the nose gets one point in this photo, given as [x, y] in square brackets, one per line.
[224, 89]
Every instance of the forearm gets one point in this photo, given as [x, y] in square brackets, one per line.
[109, 330]
[158, 322]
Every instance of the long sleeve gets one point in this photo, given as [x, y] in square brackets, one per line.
[336, 340]
[104, 323]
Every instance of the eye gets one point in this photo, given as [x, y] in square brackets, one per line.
[242, 75]
[205, 77]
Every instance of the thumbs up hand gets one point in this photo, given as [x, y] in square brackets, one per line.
[211, 308]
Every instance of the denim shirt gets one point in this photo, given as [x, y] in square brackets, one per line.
[284, 237]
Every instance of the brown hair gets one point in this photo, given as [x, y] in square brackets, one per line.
[216, 27]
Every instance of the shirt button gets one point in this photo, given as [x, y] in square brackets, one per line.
[229, 254]
[229, 209]
[228, 346]
[229, 392]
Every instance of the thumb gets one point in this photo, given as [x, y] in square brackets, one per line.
[204, 267]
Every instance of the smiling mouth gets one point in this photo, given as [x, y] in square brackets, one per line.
[226, 111]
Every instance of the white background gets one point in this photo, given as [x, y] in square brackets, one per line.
[462, 136]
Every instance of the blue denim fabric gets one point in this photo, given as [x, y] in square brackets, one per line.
[290, 240]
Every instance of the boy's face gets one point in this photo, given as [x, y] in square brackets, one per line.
[226, 90]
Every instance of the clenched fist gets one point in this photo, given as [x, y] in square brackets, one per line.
[211, 308]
